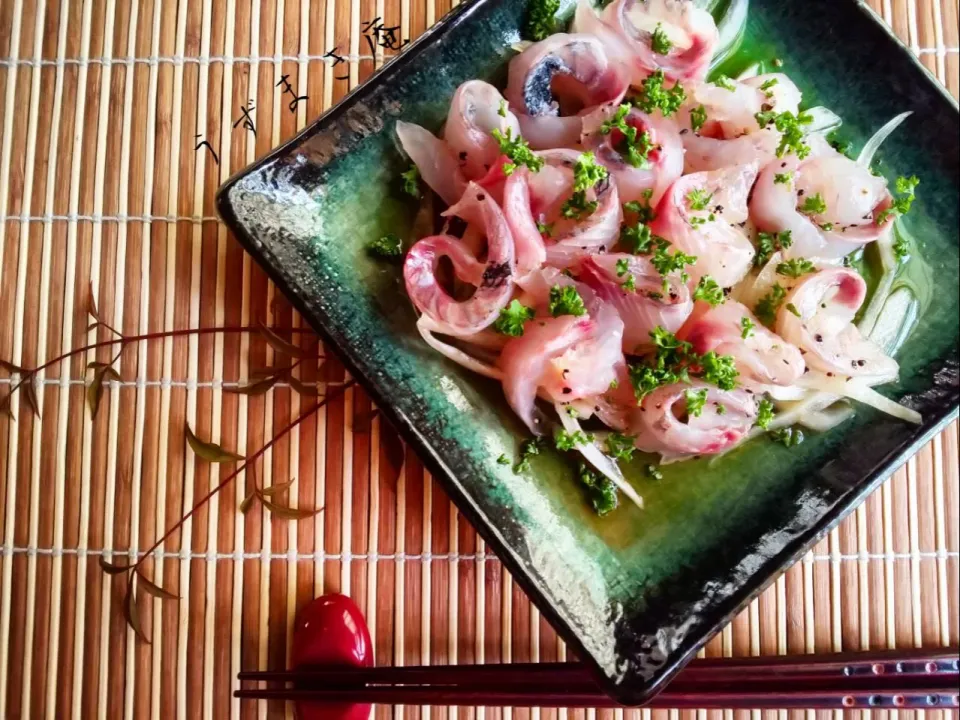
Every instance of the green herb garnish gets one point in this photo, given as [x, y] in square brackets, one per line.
[502, 111]
[564, 440]
[545, 229]
[512, 318]
[769, 243]
[708, 290]
[600, 490]
[654, 472]
[659, 42]
[768, 305]
[764, 413]
[541, 18]
[517, 150]
[623, 266]
[620, 447]
[653, 96]
[644, 212]
[725, 82]
[675, 361]
[666, 262]
[796, 267]
[791, 308]
[901, 205]
[634, 147]
[586, 174]
[699, 199]
[788, 436]
[813, 205]
[767, 85]
[528, 448]
[411, 181]
[783, 178]
[388, 246]
[503, 460]
[698, 116]
[696, 399]
[746, 327]
[565, 300]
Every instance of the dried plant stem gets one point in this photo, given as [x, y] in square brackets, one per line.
[335, 393]
[123, 340]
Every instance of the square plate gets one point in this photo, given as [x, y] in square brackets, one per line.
[638, 592]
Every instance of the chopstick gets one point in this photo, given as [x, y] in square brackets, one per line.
[891, 679]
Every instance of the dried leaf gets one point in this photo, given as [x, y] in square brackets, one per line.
[5, 408]
[303, 389]
[283, 511]
[277, 488]
[131, 614]
[92, 303]
[95, 388]
[10, 367]
[247, 503]
[208, 450]
[112, 569]
[269, 371]
[255, 388]
[93, 326]
[282, 346]
[156, 590]
[393, 453]
[30, 392]
[94, 364]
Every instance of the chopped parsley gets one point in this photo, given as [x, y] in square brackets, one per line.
[411, 178]
[725, 82]
[696, 399]
[586, 174]
[675, 361]
[791, 138]
[791, 308]
[517, 150]
[571, 411]
[698, 199]
[643, 211]
[666, 262]
[654, 472]
[653, 96]
[614, 384]
[565, 300]
[769, 243]
[388, 246]
[503, 460]
[764, 413]
[541, 18]
[813, 205]
[564, 440]
[901, 205]
[788, 436]
[545, 229]
[630, 284]
[901, 247]
[512, 318]
[841, 146]
[708, 290]
[633, 146]
[746, 327]
[502, 111]
[766, 309]
[639, 240]
[600, 490]
[721, 409]
[783, 178]
[796, 267]
[620, 447]
[698, 116]
[767, 85]
[528, 448]
[659, 42]
[623, 266]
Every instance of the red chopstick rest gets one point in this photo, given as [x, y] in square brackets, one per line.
[331, 631]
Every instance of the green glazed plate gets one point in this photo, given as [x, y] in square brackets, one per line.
[638, 592]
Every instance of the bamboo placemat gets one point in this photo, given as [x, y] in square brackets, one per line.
[104, 183]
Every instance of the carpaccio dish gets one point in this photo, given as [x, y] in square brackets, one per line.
[633, 248]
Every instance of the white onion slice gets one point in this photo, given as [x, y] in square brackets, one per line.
[874, 143]
[826, 419]
[729, 31]
[427, 328]
[605, 464]
[856, 389]
[824, 120]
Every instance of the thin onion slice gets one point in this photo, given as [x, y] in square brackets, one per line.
[826, 419]
[824, 120]
[427, 328]
[856, 389]
[729, 31]
[605, 464]
[874, 143]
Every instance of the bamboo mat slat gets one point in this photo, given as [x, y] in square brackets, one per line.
[102, 185]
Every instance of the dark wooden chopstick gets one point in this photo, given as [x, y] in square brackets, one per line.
[890, 679]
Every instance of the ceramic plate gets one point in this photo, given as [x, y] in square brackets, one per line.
[638, 592]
